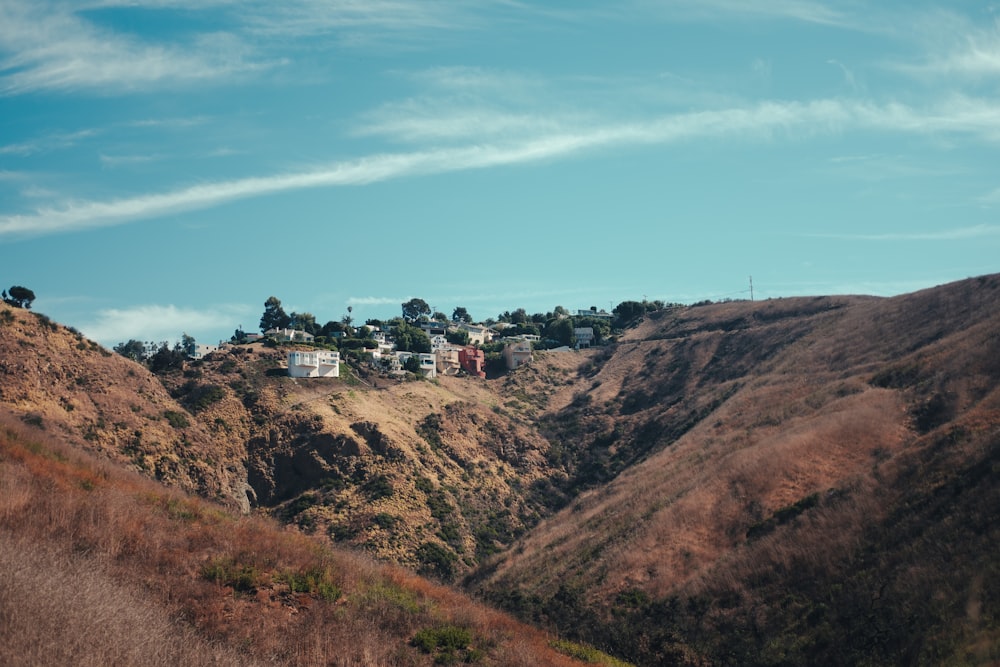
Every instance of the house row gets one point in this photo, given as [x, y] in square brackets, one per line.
[445, 360]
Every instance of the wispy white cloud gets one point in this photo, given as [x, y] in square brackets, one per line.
[952, 234]
[954, 45]
[49, 47]
[358, 23]
[848, 74]
[760, 122]
[156, 323]
[375, 300]
[46, 144]
[807, 11]
[125, 160]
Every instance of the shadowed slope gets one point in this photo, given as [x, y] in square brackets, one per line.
[760, 453]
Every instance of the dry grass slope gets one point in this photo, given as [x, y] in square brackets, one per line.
[102, 566]
[763, 478]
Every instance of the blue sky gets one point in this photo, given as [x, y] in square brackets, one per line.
[166, 165]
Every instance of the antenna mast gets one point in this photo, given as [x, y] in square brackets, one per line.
[751, 288]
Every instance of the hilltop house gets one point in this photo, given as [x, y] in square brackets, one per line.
[600, 314]
[448, 360]
[473, 361]
[428, 362]
[584, 336]
[314, 363]
[438, 341]
[201, 350]
[517, 353]
[477, 334]
[289, 335]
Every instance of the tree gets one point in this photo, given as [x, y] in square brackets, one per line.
[562, 331]
[304, 322]
[412, 364]
[332, 327]
[460, 314]
[274, 316]
[627, 312]
[457, 337]
[519, 316]
[438, 316]
[188, 344]
[410, 338]
[19, 297]
[414, 309]
[133, 349]
[167, 359]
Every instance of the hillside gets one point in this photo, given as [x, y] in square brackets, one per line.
[794, 481]
[435, 476]
[788, 482]
[54, 378]
[101, 566]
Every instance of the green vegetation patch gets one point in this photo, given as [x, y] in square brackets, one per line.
[228, 571]
[448, 643]
[316, 581]
[176, 419]
[587, 654]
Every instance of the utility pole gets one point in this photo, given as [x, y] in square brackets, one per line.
[751, 288]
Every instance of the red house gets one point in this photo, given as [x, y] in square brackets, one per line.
[472, 360]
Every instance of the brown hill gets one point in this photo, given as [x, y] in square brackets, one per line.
[54, 378]
[795, 481]
[433, 475]
[100, 566]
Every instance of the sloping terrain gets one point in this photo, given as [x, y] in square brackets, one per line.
[796, 481]
[100, 566]
[54, 378]
[433, 475]
[788, 482]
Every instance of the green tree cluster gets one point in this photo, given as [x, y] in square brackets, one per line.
[19, 297]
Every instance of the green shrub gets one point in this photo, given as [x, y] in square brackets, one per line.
[315, 581]
[587, 654]
[449, 643]
[378, 488]
[436, 560]
[227, 571]
[199, 397]
[176, 419]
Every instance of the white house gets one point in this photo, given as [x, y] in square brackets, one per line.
[584, 336]
[428, 362]
[200, 350]
[438, 341]
[384, 359]
[314, 364]
[293, 335]
[600, 314]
